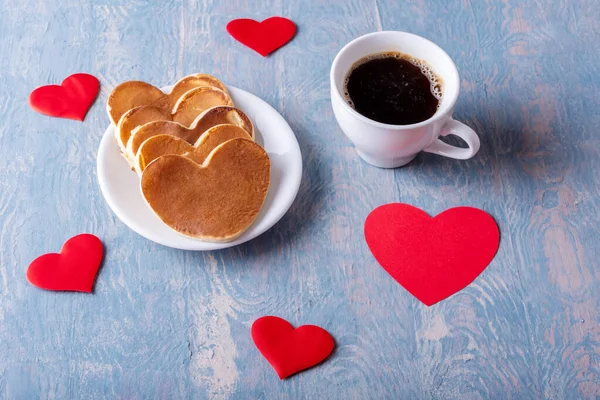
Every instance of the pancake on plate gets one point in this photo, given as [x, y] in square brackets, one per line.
[131, 94]
[215, 201]
[161, 145]
[214, 116]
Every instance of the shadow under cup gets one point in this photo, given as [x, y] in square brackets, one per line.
[385, 145]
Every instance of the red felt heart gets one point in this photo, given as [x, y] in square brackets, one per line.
[432, 258]
[74, 269]
[72, 99]
[263, 37]
[290, 350]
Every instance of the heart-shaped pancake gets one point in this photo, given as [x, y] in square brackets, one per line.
[161, 145]
[192, 104]
[133, 94]
[135, 117]
[216, 201]
[212, 117]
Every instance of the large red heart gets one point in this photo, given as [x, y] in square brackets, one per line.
[72, 99]
[290, 350]
[432, 258]
[263, 37]
[73, 269]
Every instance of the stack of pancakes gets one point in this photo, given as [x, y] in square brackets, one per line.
[201, 171]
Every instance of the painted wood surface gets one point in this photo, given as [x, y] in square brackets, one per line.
[171, 324]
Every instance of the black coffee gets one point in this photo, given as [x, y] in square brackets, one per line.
[393, 88]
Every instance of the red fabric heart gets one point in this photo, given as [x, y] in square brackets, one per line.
[73, 269]
[290, 350]
[72, 99]
[263, 37]
[432, 258]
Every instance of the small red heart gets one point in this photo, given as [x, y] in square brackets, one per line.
[72, 99]
[73, 269]
[290, 350]
[432, 258]
[263, 37]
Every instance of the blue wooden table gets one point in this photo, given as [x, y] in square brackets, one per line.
[172, 324]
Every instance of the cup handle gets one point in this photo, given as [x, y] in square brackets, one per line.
[453, 127]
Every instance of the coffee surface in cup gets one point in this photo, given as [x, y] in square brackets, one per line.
[393, 88]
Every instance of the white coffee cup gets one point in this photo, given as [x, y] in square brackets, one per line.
[391, 146]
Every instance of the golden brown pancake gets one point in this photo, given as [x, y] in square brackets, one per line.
[161, 145]
[195, 101]
[136, 117]
[184, 85]
[211, 117]
[133, 94]
[216, 201]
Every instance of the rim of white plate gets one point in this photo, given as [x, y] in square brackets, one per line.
[276, 205]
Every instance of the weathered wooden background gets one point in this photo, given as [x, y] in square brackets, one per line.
[171, 324]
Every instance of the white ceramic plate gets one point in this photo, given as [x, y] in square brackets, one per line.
[121, 186]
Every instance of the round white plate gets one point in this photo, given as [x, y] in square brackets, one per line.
[121, 186]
